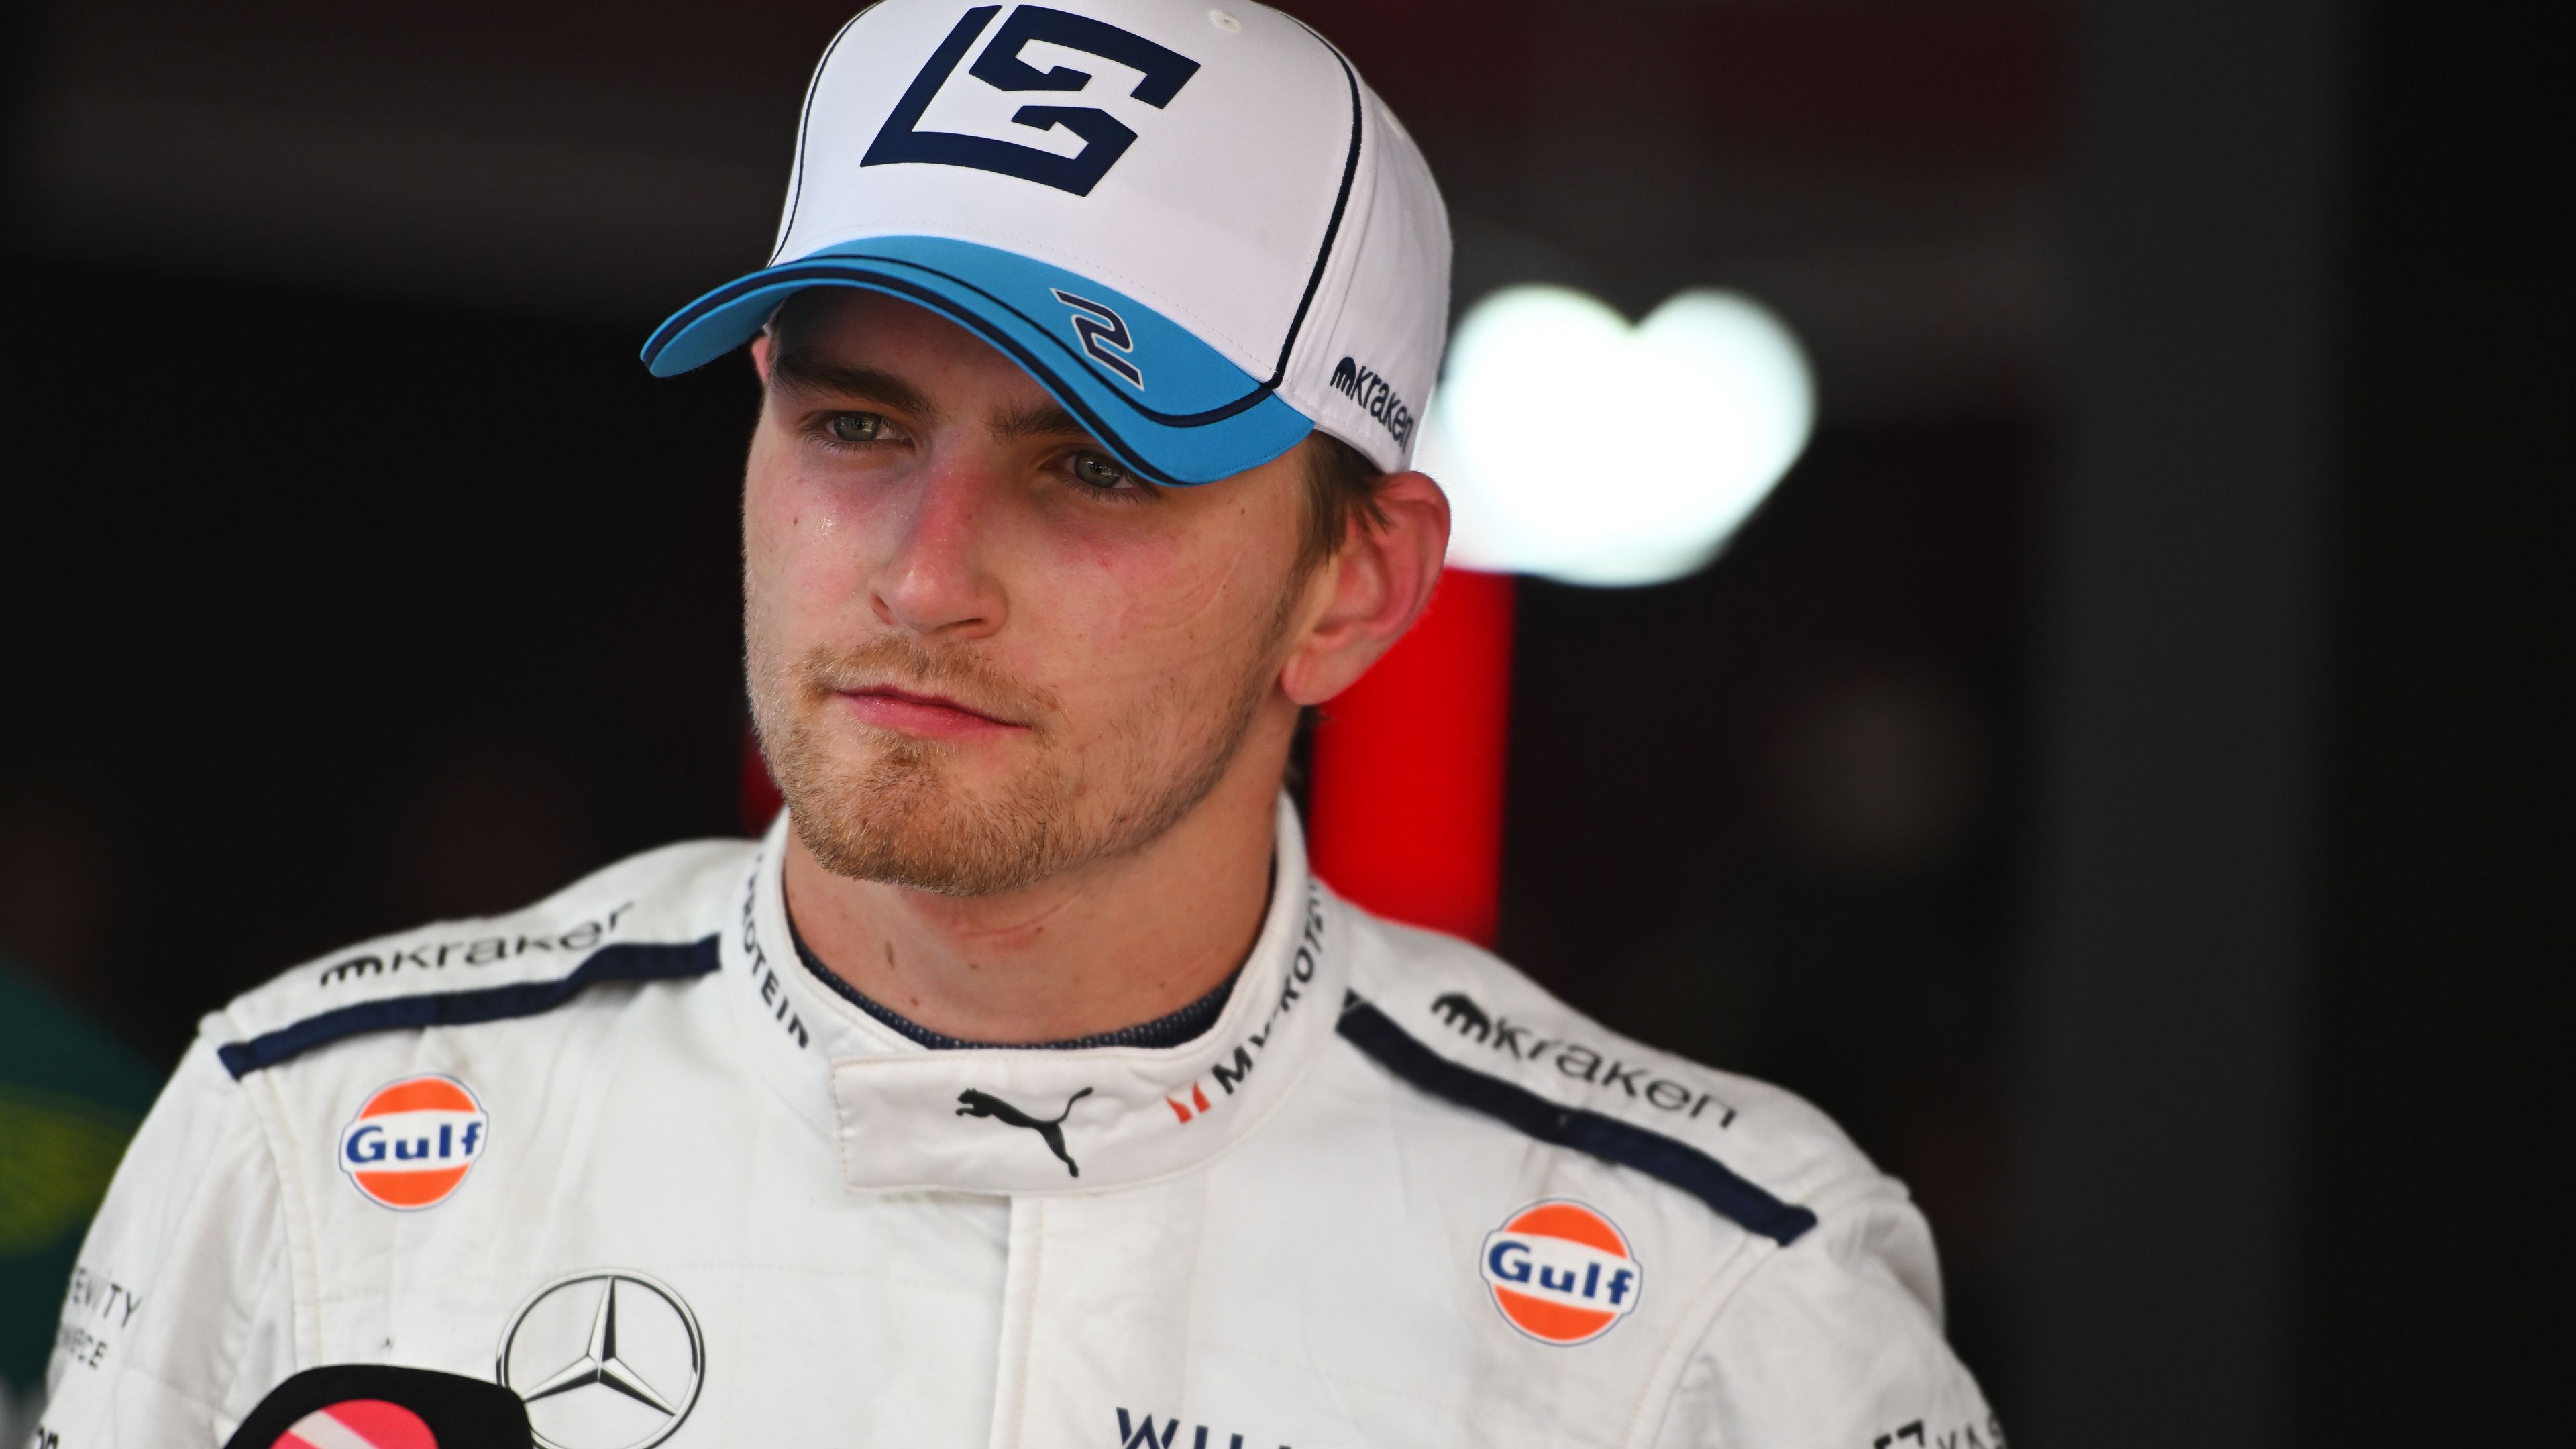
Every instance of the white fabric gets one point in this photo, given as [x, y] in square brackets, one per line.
[1217, 215]
[1300, 1263]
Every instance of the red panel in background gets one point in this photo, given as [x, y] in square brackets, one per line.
[1407, 800]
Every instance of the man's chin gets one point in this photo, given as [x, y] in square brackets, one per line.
[905, 820]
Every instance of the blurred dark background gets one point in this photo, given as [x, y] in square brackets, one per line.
[2121, 773]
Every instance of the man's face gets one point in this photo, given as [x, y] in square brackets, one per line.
[980, 654]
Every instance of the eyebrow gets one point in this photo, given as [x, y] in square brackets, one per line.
[1038, 420]
[804, 371]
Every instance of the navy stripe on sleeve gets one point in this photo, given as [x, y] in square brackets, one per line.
[628, 962]
[1605, 1137]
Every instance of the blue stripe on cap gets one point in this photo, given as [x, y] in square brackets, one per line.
[1169, 405]
[629, 962]
[1608, 1138]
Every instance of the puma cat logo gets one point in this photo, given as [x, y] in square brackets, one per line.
[1051, 1129]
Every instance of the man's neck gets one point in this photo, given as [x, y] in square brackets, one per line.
[1091, 950]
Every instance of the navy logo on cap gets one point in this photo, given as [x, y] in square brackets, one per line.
[1104, 335]
[1105, 137]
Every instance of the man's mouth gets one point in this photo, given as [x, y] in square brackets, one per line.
[918, 713]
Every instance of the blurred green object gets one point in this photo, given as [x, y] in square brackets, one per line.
[70, 1097]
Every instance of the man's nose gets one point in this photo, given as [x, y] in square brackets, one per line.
[936, 579]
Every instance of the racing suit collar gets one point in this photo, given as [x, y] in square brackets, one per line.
[1000, 1120]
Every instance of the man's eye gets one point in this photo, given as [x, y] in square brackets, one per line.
[855, 427]
[1097, 471]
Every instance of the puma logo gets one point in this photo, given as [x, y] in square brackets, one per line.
[1051, 1129]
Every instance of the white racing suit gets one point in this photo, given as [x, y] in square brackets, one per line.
[621, 1152]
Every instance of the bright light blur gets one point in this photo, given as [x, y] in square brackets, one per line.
[1580, 448]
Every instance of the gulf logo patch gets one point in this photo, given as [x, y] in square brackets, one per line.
[412, 1142]
[1561, 1272]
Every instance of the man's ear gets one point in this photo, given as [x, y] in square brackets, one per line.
[1367, 595]
[761, 343]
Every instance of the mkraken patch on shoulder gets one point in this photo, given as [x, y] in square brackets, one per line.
[629, 961]
[1612, 1139]
[1603, 1069]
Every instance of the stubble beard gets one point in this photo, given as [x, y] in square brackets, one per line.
[901, 816]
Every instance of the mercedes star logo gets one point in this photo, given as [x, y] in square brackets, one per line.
[603, 1360]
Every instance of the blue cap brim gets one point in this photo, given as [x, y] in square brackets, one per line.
[1170, 406]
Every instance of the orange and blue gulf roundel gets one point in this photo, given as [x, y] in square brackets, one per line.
[1562, 1272]
[412, 1142]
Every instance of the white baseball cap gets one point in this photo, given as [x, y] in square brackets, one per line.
[1195, 227]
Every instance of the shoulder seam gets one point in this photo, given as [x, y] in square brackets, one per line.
[631, 961]
[1675, 1163]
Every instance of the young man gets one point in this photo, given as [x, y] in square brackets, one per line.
[1021, 1087]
